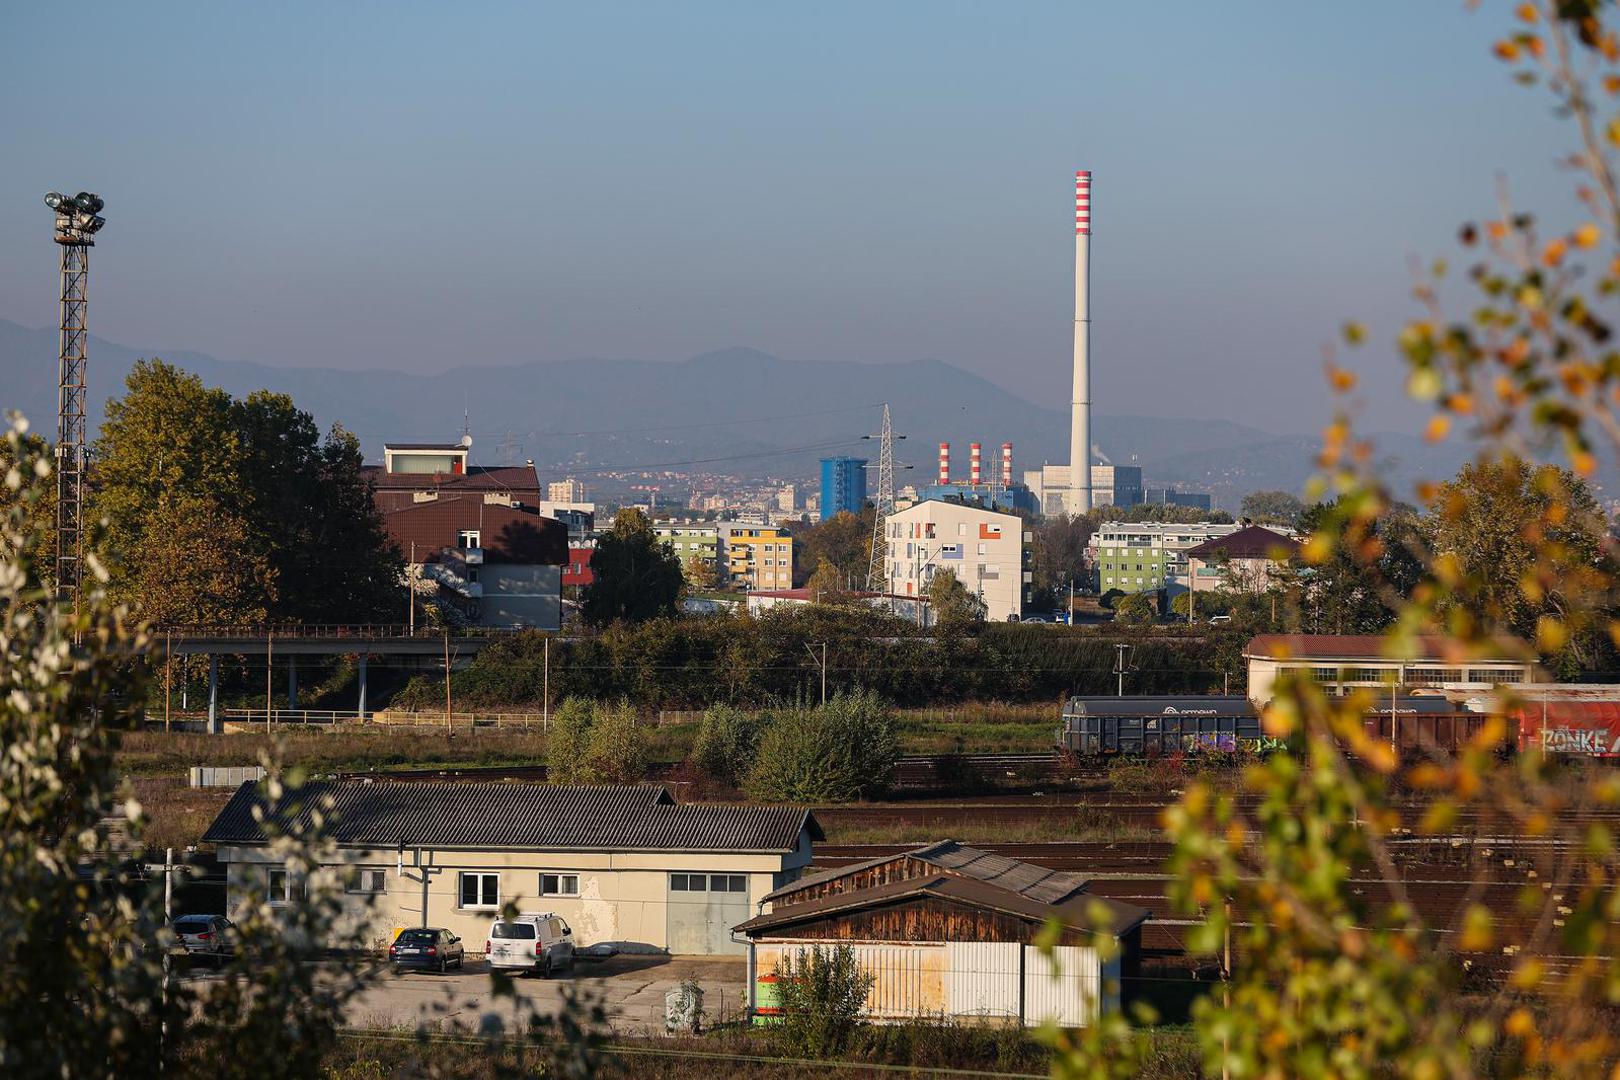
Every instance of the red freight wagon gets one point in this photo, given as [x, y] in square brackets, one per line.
[1583, 728]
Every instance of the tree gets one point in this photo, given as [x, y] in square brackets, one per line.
[1134, 610]
[837, 752]
[726, 743]
[1357, 589]
[616, 746]
[952, 603]
[636, 575]
[827, 585]
[23, 494]
[699, 574]
[568, 743]
[1272, 508]
[299, 511]
[844, 540]
[1477, 523]
[1058, 555]
[196, 564]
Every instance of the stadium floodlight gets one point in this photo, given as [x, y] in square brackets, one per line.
[88, 202]
[55, 200]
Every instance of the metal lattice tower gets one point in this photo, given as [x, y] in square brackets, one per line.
[884, 502]
[76, 223]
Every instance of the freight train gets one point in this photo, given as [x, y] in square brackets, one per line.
[1133, 726]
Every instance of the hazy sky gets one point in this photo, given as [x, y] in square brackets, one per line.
[418, 186]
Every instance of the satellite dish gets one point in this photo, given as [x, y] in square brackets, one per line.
[466, 441]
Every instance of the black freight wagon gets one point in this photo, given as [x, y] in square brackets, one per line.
[1096, 726]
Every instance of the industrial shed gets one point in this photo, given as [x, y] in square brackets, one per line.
[623, 864]
[948, 930]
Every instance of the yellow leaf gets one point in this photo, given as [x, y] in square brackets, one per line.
[1506, 50]
[1587, 236]
[1528, 12]
[1613, 131]
[1438, 426]
[1551, 634]
[1478, 932]
[1519, 1022]
[1554, 252]
[1583, 462]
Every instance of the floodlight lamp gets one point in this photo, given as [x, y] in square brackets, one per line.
[93, 225]
[87, 202]
[55, 199]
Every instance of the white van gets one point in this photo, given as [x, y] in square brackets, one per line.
[539, 943]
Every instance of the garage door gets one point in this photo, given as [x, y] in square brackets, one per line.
[702, 910]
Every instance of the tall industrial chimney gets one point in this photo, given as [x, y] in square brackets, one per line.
[944, 463]
[1006, 465]
[973, 464]
[1080, 416]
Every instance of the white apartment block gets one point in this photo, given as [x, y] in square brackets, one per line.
[983, 548]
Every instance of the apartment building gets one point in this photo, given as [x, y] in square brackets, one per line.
[756, 557]
[984, 549]
[1133, 557]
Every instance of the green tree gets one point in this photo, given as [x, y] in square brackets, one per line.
[726, 743]
[845, 540]
[195, 564]
[636, 575]
[1135, 609]
[1058, 555]
[699, 574]
[952, 604]
[1476, 527]
[1272, 508]
[616, 746]
[22, 492]
[837, 752]
[1356, 578]
[568, 758]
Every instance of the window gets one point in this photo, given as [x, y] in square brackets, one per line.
[370, 881]
[1373, 675]
[559, 884]
[1428, 676]
[686, 883]
[1326, 674]
[282, 890]
[737, 883]
[961, 528]
[480, 890]
[982, 549]
[1486, 675]
[467, 538]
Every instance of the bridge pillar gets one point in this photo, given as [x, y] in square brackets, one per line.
[362, 705]
[292, 684]
[214, 727]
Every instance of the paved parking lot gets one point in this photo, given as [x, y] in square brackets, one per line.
[632, 988]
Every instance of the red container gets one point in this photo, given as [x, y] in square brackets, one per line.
[1575, 728]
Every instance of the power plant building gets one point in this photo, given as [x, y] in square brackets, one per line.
[843, 485]
[1111, 485]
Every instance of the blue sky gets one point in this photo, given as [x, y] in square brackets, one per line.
[418, 186]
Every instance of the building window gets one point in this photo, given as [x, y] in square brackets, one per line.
[480, 891]
[282, 890]
[1372, 675]
[737, 883]
[983, 549]
[369, 880]
[559, 884]
[1486, 675]
[467, 538]
[1427, 676]
[961, 528]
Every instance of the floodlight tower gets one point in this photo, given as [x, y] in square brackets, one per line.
[77, 221]
[883, 503]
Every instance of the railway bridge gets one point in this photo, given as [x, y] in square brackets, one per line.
[287, 642]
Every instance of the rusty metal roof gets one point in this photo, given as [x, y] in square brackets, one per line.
[1082, 912]
[510, 815]
[1026, 879]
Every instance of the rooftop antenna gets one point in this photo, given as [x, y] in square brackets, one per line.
[77, 221]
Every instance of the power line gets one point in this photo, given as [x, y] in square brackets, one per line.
[729, 420]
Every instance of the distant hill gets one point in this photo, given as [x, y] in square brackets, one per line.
[734, 411]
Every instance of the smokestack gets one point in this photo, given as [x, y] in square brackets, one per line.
[1080, 415]
[944, 463]
[1006, 465]
[973, 464]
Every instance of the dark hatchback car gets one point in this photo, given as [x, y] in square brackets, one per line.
[426, 949]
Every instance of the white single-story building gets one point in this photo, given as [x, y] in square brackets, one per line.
[625, 865]
[949, 930]
[1345, 662]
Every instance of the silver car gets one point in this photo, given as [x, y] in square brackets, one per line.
[210, 937]
[538, 943]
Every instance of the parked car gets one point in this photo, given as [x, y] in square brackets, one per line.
[427, 948]
[538, 943]
[211, 937]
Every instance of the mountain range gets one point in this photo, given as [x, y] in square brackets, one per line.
[736, 411]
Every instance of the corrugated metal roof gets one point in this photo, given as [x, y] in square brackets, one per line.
[1118, 917]
[509, 815]
[1026, 879]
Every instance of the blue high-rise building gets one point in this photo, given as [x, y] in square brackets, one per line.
[843, 485]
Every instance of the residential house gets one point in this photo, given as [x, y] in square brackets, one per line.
[983, 548]
[1249, 560]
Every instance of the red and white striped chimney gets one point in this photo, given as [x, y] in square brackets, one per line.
[974, 473]
[1006, 465]
[944, 463]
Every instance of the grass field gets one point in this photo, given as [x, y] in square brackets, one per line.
[1092, 827]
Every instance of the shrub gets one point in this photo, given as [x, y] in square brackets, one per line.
[616, 746]
[822, 993]
[567, 757]
[837, 752]
[727, 740]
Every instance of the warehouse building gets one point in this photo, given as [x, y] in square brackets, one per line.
[623, 865]
[948, 930]
[1346, 662]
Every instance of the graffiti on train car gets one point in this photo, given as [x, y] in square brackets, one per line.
[1225, 742]
[1567, 740]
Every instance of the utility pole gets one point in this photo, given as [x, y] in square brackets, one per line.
[447, 678]
[269, 672]
[1069, 621]
[1120, 652]
[168, 676]
[822, 663]
[410, 586]
[1226, 987]
[545, 691]
[77, 221]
